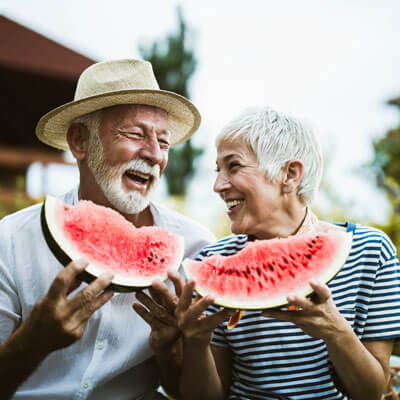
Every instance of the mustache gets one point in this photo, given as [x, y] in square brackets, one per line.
[141, 165]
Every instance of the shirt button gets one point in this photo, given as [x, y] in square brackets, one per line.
[100, 345]
[86, 384]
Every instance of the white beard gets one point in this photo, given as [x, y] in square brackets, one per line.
[109, 178]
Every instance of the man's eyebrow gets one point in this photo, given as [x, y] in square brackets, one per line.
[143, 126]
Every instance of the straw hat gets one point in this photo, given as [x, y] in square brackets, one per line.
[112, 83]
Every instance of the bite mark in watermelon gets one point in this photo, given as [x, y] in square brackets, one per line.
[265, 272]
[136, 256]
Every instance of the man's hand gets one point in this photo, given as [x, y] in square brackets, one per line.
[57, 320]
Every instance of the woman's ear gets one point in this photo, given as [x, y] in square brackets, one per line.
[293, 175]
[78, 140]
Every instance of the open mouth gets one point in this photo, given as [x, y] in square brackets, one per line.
[232, 204]
[139, 177]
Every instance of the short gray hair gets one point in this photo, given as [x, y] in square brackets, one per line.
[276, 138]
[91, 121]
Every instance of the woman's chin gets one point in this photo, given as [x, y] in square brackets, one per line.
[238, 229]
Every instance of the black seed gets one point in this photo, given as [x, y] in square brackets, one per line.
[310, 245]
[149, 259]
[285, 261]
[271, 268]
[259, 271]
[162, 260]
[308, 255]
[313, 241]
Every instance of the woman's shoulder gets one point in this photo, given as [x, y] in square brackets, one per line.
[225, 246]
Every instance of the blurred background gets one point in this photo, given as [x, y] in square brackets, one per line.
[333, 63]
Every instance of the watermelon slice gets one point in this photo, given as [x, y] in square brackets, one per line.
[109, 242]
[265, 272]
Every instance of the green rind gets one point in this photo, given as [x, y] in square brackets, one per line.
[65, 259]
[186, 268]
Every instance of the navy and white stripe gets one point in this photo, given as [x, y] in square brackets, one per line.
[275, 360]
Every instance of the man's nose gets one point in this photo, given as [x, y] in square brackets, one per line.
[151, 151]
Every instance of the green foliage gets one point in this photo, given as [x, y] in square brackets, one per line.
[173, 64]
[386, 169]
[19, 200]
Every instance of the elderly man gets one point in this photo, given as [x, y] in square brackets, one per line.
[66, 340]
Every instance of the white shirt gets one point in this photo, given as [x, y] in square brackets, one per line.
[113, 360]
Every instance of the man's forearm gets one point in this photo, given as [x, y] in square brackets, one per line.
[18, 360]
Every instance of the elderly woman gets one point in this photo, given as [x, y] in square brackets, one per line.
[337, 344]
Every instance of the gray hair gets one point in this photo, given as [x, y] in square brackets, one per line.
[91, 121]
[275, 139]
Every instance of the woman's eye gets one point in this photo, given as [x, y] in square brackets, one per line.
[234, 165]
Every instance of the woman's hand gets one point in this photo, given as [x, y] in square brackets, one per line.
[317, 316]
[160, 315]
[192, 319]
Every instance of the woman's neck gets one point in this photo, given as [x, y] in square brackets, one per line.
[290, 221]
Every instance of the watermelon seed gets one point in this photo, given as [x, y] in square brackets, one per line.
[285, 260]
[291, 256]
[162, 260]
[259, 271]
[313, 241]
[310, 245]
[149, 259]
[308, 255]
[271, 268]
[291, 274]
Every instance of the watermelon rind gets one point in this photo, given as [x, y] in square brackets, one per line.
[261, 303]
[65, 252]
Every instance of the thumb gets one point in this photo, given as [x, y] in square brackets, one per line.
[321, 293]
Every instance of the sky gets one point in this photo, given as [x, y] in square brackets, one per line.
[333, 63]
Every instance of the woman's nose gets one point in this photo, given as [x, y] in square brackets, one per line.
[221, 183]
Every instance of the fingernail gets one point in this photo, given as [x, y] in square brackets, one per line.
[82, 262]
[290, 298]
[108, 275]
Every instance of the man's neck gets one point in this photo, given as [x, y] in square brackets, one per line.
[144, 218]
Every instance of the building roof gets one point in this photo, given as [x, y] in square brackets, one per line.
[36, 75]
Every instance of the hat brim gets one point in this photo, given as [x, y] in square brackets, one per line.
[183, 117]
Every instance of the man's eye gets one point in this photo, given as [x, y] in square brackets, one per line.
[133, 134]
[164, 144]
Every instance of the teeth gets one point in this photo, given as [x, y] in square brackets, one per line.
[139, 174]
[233, 203]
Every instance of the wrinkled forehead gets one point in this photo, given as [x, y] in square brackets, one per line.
[128, 115]
[231, 146]
[133, 110]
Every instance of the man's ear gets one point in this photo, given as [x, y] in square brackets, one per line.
[78, 140]
[293, 175]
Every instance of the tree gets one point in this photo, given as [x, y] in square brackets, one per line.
[386, 169]
[173, 64]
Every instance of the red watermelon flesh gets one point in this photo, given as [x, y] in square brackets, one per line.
[265, 272]
[108, 241]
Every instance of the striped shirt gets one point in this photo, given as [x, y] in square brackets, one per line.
[274, 359]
